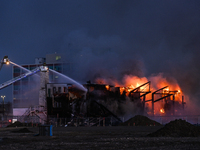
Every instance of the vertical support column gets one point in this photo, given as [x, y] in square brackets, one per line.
[143, 104]
[152, 111]
[44, 79]
[104, 122]
[173, 105]
[3, 108]
[183, 102]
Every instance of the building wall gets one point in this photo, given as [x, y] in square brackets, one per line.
[24, 91]
[56, 88]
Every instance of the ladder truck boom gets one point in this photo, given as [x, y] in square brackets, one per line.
[32, 72]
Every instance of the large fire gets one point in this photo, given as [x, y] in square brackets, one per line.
[170, 93]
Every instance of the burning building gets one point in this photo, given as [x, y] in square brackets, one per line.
[103, 100]
[63, 100]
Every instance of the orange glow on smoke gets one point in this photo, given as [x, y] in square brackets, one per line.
[130, 83]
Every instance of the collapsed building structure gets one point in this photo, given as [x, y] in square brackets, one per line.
[66, 101]
[103, 100]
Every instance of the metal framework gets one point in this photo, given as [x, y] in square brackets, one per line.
[141, 91]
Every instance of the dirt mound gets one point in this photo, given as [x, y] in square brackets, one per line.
[177, 128]
[16, 124]
[140, 120]
[23, 130]
[19, 124]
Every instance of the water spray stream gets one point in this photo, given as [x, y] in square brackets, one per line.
[36, 75]
[68, 78]
[20, 66]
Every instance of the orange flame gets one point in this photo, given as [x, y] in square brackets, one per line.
[157, 82]
[107, 87]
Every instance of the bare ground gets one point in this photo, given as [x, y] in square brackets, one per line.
[94, 138]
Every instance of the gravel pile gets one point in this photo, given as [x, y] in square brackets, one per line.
[177, 128]
[19, 124]
[140, 120]
[16, 124]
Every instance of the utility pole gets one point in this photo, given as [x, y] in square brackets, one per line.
[3, 104]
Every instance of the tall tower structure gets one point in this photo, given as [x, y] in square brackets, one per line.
[44, 79]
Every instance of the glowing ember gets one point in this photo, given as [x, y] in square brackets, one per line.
[138, 85]
[131, 87]
[166, 90]
[107, 87]
[162, 111]
[122, 89]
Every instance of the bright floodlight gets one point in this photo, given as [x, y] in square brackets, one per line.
[3, 96]
[6, 60]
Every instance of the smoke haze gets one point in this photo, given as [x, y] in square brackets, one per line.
[108, 39]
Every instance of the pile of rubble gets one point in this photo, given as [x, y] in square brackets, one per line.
[19, 124]
[177, 128]
[140, 120]
[16, 124]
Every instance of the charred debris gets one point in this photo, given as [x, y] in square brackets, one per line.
[106, 101]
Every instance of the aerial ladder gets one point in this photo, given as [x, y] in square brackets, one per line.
[31, 72]
[5, 84]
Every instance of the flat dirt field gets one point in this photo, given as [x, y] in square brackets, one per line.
[97, 138]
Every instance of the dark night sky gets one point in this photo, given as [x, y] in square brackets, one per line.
[107, 38]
